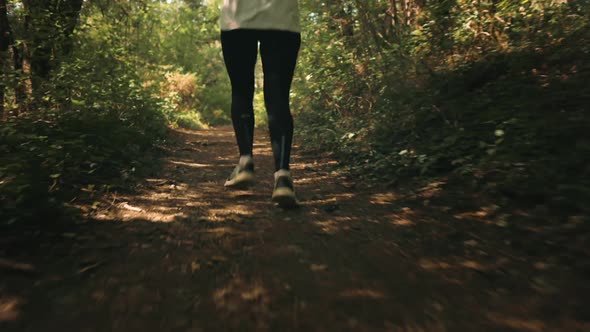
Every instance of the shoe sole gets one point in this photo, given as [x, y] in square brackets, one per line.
[285, 198]
[242, 181]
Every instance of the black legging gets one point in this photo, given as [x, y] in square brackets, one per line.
[278, 50]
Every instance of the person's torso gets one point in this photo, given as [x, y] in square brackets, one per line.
[260, 14]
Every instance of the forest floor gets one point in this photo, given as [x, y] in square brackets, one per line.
[180, 253]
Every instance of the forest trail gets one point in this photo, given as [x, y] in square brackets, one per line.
[183, 254]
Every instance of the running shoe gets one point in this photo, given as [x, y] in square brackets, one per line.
[242, 176]
[283, 193]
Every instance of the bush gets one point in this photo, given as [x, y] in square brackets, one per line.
[178, 100]
[98, 125]
[460, 89]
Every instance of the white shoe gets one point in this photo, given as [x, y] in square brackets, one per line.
[242, 176]
[283, 193]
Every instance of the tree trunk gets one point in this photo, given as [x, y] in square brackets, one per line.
[20, 88]
[49, 26]
[38, 37]
[366, 25]
[5, 42]
[69, 11]
[393, 11]
[392, 26]
[404, 10]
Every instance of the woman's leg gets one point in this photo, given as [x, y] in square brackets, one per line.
[279, 50]
[240, 49]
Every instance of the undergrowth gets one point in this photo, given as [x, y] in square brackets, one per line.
[509, 121]
[91, 134]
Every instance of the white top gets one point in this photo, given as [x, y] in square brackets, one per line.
[260, 14]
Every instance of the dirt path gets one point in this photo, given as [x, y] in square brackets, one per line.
[183, 254]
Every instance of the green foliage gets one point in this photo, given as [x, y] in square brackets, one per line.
[494, 90]
[96, 125]
[260, 109]
[107, 80]
[178, 99]
[458, 86]
[186, 38]
[169, 38]
[45, 157]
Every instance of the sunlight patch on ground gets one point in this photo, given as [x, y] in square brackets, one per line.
[266, 150]
[165, 198]
[365, 293]
[336, 198]
[196, 203]
[239, 194]
[240, 295]
[428, 264]
[384, 198]
[517, 323]
[404, 218]
[193, 165]
[431, 190]
[484, 214]
[156, 207]
[229, 212]
[418, 327]
[434, 265]
[231, 160]
[396, 220]
[333, 225]
[127, 211]
[9, 308]
[329, 227]
[220, 231]
[311, 180]
[148, 215]
[219, 132]
[318, 267]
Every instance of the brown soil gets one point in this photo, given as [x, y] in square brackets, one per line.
[183, 254]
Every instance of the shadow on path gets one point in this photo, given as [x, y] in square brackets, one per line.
[183, 254]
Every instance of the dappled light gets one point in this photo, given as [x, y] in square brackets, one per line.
[362, 293]
[194, 165]
[440, 166]
[186, 252]
[9, 308]
[384, 198]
